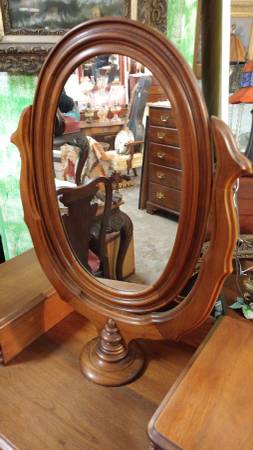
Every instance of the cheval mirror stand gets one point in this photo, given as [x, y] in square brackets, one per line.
[122, 316]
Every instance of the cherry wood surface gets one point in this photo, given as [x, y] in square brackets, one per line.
[46, 403]
[245, 203]
[211, 404]
[29, 305]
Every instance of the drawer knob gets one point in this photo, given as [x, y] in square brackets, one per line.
[161, 134]
[164, 117]
[160, 195]
[160, 175]
[160, 155]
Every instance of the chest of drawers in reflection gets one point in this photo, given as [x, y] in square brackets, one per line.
[163, 164]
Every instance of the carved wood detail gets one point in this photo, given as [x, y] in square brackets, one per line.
[19, 59]
[108, 361]
[153, 13]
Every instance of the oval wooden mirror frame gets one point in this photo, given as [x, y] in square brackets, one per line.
[135, 314]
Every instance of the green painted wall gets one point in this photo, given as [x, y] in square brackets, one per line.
[181, 26]
[16, 92]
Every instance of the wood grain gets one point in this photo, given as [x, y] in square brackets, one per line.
[29, 305]
[47, 404]
[210, 406]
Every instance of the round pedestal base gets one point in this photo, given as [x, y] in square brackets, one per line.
[114, 373]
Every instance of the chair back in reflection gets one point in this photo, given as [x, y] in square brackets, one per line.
[86, 222]
[132, 157]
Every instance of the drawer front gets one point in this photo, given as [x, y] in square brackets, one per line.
[165, 197]
[165, 176]
[168, 136]
[162, 117]
[165, 155]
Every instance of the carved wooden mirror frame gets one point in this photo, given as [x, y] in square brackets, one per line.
[125, 314]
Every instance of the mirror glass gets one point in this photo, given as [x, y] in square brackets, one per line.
[114, 121]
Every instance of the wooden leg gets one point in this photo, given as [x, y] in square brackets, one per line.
[108, 361]
[120, 221]
[150, 209]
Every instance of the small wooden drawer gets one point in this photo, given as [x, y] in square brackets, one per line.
[162, 117]
[168, 198]
[165, 176]
[162, 135]
[165, 155]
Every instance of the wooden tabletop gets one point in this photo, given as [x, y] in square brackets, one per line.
[47, 404]
[101, 123]
[210, 407]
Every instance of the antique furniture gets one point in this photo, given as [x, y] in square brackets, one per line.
[80, 219]
[210, 404]
[29, 304]
[163, 161]
[102, 131]
[121, 316]
[245, 204]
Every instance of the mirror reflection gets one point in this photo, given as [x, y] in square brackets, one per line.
[117, 168]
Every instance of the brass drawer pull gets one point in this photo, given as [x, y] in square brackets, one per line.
[161, 134]
[160, 195]
[160, 155]
[164, 117]
[160, 175]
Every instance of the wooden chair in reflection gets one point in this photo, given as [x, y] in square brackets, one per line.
[81, 219]
[119, 234]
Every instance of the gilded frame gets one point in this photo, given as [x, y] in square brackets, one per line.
[24, 50]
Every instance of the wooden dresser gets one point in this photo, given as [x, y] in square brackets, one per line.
[163, 162]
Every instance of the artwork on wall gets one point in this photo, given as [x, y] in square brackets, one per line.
[31, 28]
[55, 17]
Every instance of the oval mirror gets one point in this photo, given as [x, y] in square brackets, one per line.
[89, 73]
[117, 122]
[116, 40]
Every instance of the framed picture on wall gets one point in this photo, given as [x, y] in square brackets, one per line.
[55, 17]
[31, 28]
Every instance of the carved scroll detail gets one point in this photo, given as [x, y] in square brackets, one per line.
[153, 13]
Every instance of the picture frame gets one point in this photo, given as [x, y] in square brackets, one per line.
[24, 45]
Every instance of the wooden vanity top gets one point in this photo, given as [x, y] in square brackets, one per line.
[211, 404]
